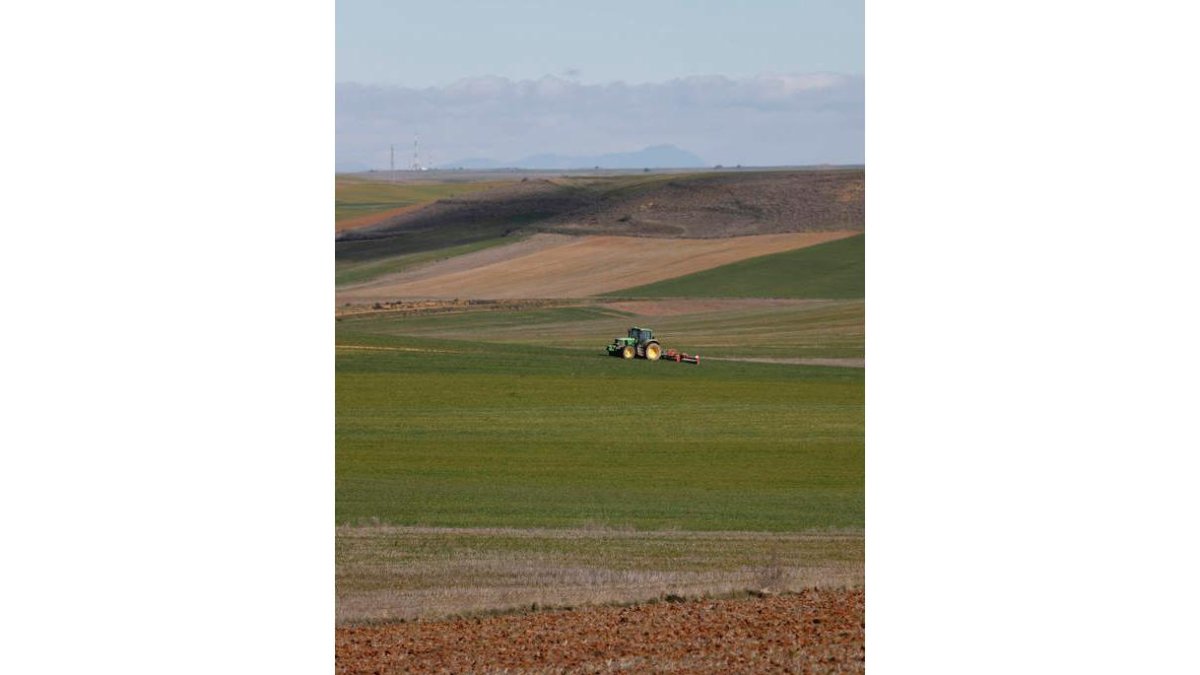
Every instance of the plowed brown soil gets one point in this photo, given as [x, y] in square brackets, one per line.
[375, 218]
[554, 266]
[814, 631]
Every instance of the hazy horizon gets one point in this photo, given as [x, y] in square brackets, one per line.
[774, 83]
[764, 121]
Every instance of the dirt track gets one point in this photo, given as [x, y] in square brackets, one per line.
[837, 363]
[557, 266]
[814, 631]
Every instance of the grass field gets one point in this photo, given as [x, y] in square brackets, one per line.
[475, 476]
[829, 270]
[514, 437]
[811, 329]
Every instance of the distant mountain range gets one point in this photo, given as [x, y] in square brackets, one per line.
[350, 167]
[653, 157]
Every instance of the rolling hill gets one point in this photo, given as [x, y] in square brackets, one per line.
[694, 206]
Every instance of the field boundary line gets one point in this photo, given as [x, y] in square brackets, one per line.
[396, 349]
[831, 362]
[600, 532]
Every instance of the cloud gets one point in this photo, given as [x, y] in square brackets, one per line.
[770, 119]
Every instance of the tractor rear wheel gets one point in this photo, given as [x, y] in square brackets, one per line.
[653, 351]
[627, 352]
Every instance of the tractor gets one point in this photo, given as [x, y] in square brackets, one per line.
[639, 342]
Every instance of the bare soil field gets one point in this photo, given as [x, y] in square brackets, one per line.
[813, 631]
[519, 251]
[554, 266]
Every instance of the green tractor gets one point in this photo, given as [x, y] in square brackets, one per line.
[639, 342]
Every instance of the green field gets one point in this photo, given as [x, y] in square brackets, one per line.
[473, 435]
[830, 270]
[354, 197]
[816, 329]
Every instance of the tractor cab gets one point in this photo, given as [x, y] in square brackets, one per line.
[641, 335]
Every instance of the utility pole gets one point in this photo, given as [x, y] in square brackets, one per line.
[416, 165]
[392, 165]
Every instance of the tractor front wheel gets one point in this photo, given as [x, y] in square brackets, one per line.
[653, 351]
[627, 352]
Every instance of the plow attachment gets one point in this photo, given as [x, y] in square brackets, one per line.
[680, 357]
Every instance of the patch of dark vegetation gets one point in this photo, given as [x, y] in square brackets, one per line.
[707, 205]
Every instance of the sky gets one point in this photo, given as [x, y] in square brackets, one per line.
[756, 83]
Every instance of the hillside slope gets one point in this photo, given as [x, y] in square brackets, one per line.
[693, 206]
[360, 202]
[723, 205]
[559, 266]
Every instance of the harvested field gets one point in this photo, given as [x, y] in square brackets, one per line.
[357, 273]
[394, 572]
[555, 266]
[519, 251]
[813, 631]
